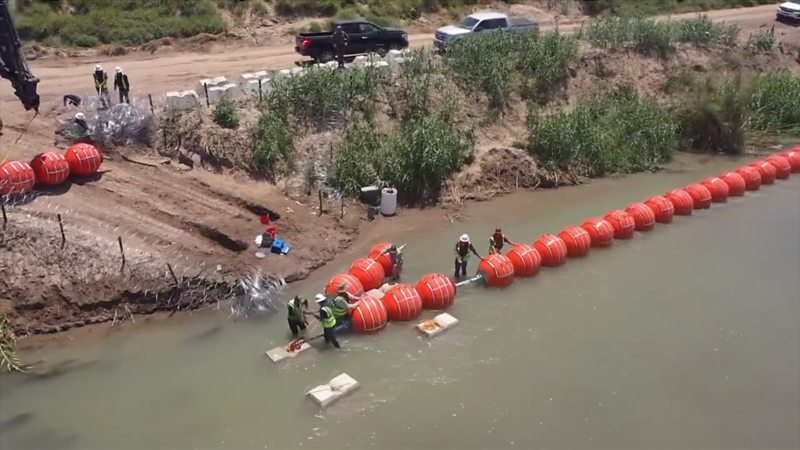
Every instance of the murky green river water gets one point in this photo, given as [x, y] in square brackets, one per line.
[684, 337]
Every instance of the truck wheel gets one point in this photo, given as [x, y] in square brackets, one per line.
[326, 56]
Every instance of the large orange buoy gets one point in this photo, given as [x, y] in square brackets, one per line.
[793, 156]
[718, 188]
[752, 178]
[437, 291]
[701, 196]
[496, 270]
[643, 216]
[767, 171]
[369, 272]
[735, 182]
[354, 286]
[525, 259]
[577, 239]
[50, 168]
[83, 159]
[16, 177]
[552, 249]
[402, 302]
[681, 201]
[376, 253]
[623, 223]
[782, 166]
[369, 316]
[600, 231]
[661, 207]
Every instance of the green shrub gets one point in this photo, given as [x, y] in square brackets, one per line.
[605, 133]
[715, 123]
[763, 41]
[273, 147]
[226, 114]
[360, 158]
[775, 102]
[544, 63]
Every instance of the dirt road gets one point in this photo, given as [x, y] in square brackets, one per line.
[167, 70]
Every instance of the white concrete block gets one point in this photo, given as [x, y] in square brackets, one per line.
[324, 395]
[179, 101]
[261, 74]
[210, 82]
[437, 325]
[227, 91]
[396, 65]
[281, 74]
[278, 354]
[391, 55]
[333, 65]
[380, 66]
[360, 61]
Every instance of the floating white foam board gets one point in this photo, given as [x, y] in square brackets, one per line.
[324, 395]
[437, 325]
[278, 354]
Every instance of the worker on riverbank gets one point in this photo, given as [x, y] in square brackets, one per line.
[298, 309]
[122, 85]
[328, 321]
[80, 121]
[396, 257]
[101, 85]
[497, 240]
[340, 40]
[463, 249]
[341, 305]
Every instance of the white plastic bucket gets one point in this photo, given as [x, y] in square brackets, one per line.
[388, 201]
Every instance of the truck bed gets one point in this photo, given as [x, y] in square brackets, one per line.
[521, 22]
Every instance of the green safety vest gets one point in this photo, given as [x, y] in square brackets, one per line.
[296, 309]
[340, 306]
[330, 321]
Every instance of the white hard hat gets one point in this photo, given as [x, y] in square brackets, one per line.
[118, 69]
[98, 67]
[80, 116]
[319, 298]
[464, 238]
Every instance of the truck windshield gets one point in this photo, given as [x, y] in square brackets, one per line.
[468, 23]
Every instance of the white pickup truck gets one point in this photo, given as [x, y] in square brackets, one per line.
[789, 12]
[479, 22]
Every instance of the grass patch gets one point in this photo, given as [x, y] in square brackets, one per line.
[608, 132]
[226, 114]
[650, 7]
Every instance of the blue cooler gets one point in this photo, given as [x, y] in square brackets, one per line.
[277, 246]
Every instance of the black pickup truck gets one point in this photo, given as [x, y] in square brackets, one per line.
[363, 37]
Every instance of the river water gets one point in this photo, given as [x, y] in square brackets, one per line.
[684, 337]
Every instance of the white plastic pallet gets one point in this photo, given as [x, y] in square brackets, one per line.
[278, 354]
[324, 395]
[441, 323]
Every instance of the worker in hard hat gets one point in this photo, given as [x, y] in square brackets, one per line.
[463, 249]
[396, 257]
[122, 85]
[80, 121]
[101, 85]
[298, 310]
[342, 304]
[497, 240]
[328, 320]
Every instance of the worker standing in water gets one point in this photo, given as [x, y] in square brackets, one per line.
[497, 240]
[122, 85]
[341, 305]
[396, 257]
[298, 309]
[328, 321]
[101, 85]
[463, 249]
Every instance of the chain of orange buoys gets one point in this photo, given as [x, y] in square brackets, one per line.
[404, 302]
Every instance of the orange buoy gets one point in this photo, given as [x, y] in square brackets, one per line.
[736, 183]
[369, 272]
[83, 159]
[16, 177]
[600, 231]
[681, 201]
[437, 291]
[767, 171]
[376, 253]
[354, 286]
[782, 166]
[718, 189]
[525, 259]
[623, 223]
[752, 178]
[51, 168]
[552, 249]
[701, 196]
[496, 270]
[661, 207]
[793, 156]
[402, 302]
[643, 216]
[577, 240]
[369, 316]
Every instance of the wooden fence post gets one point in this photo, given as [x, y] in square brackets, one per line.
[121, 252]
[63, 236]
